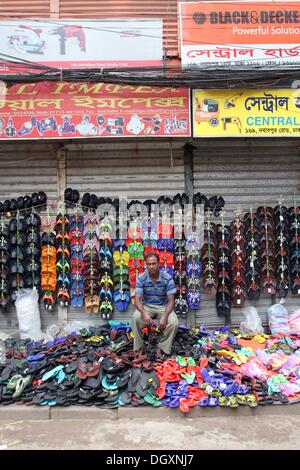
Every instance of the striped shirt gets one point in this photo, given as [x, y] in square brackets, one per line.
[155, 293]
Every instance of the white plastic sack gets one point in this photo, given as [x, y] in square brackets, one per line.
[278, 317]
[75, 326]
[28, 313]
[252, 324]
[2, 352]
[52, 332]
[294, 322]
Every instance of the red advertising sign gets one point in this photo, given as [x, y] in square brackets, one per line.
[49, 110]
[241, 33]
[75, 44]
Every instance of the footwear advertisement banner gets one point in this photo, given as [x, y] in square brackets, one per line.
[246, 113]
[226, 34]
[52, 110]
[74, 44]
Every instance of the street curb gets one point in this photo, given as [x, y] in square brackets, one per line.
[38, 413]
[24, 413]
[81, 412]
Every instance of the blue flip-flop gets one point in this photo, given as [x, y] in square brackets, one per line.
[52, 373]
[108, 386]
[171, 402]
[35, 357]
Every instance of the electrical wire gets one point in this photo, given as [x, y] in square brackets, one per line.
[60, 23]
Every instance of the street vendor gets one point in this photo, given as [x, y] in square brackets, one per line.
[154, 298]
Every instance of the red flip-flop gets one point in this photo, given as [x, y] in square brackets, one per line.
[184, 405]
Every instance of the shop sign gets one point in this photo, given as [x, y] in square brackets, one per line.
[70, 110]
[74, 44]
[227, 34]
[246, 113]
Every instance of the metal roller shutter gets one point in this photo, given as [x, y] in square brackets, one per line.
[26, 167]
[246, 172]
[25, 8]
[136, 170]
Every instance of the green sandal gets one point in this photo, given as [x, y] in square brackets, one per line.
[152, 400]
[241, 399]
[21, 385]
[251, 400]
[233, 402]
[13, 382]
[223, 401]
[181, 361]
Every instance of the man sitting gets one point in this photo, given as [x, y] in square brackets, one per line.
[154, 297]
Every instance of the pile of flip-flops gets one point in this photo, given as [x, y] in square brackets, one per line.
[5, 284]
[223, 297]
[136, 264]
[267, 250]
[294, 252]
[106, 269]
[23, 204]
[150, 235]
[193, 269]
[180, 279]
[48, 273]
[214, 204]
[252, 235]
[98, 367]
[91, 269]
[63, 267]
[120, 276]
[209, 256]
[282, 247]
[32, 251]
[76, 261]
[165, 246]
[238, 268]
[17, 243]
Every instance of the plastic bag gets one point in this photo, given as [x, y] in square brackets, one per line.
[278, 317]
[75, 327]
[28, 313]
[294, 322]
[52, 332]
[252, 324]
[255, 368]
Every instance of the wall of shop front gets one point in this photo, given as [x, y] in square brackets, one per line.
[247, 173]
[26, 167]
[132, 168]
[244, 171]
[135, 169]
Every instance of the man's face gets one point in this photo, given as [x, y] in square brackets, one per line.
[152, 265]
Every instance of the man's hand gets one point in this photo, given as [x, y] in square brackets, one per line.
[162, 323]
[147, 319]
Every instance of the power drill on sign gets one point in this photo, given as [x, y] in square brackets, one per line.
[232, 120]
[69, 31]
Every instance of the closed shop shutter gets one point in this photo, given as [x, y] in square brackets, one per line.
[25, 8]
[246, 172]
[138, 170]
[26, 167]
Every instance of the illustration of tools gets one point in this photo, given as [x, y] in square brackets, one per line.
[232, 120]
[69, 31]
[230, 102]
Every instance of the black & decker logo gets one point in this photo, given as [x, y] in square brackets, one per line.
[248, 17]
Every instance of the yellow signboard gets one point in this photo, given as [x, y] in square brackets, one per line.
[246, 113]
